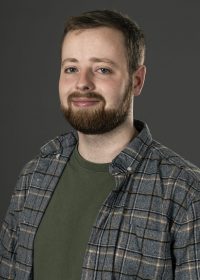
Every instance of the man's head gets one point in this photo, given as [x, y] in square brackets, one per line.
[98, 78]
[133, 35]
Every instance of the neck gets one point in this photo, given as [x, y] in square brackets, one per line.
[103, 148]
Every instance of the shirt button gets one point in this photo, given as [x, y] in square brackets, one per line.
[57, 156]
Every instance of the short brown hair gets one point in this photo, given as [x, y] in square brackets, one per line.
[133, 35]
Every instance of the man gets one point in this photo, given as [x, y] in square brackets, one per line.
[105, 201]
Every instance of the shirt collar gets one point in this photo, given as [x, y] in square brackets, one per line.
[61, 145]
[126, 161]
[135, 151]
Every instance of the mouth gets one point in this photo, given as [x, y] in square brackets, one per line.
[84, 102]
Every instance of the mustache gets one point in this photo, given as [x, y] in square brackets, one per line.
[91, 94]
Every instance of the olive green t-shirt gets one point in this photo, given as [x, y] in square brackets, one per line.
[64, 231]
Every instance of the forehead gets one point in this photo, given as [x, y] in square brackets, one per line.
[100, 41]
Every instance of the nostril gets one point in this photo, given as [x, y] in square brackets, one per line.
[84, 86]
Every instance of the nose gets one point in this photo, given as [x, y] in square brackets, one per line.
[85, 81]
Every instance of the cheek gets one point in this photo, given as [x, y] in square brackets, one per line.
[61, 82]
[66, 84]
[114, 93]
[62, 90]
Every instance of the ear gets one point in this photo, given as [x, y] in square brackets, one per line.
[138, 79]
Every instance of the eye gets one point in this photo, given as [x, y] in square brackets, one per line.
[70, 70]
[104, 70]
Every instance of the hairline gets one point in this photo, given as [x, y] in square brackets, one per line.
[93, 27]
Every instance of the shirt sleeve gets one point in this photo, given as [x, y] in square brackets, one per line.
[187, 244]
[10, 227]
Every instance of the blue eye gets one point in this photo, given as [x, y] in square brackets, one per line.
[104, 70]
[70, 70]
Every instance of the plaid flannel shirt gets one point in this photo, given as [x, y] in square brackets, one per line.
[148, 227]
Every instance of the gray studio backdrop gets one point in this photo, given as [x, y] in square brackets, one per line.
[30, 33]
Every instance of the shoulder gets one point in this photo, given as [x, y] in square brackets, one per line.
[45, 163]
[169, 158]
[175, 169]
[61, 145]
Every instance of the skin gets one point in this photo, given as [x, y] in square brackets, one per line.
[95, 60]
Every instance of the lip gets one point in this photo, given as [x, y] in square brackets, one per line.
[84, 102]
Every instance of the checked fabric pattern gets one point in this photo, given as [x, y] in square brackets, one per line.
[148, 227]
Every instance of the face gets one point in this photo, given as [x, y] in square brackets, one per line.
[94, 87]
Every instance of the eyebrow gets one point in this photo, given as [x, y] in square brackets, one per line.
[92, 59]
[69, 60]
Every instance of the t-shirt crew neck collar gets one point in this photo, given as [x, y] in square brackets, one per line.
[99, 167]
